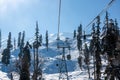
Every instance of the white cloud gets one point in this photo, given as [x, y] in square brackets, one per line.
[6, 5]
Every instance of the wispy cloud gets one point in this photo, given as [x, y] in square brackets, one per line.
[6, 5]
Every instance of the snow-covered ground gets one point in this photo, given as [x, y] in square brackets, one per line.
[51, 58]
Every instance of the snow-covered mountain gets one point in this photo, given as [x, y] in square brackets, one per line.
[50, 59]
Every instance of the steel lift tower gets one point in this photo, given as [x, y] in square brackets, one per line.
[62, 62]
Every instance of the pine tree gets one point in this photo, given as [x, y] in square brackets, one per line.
[9, 45]
[22, 40]
[19, 39]
[116, 28]
[97, 51]
[92, 40]
[47, 40]
[86, 53]
[36, 45]
[22, 44]
[14, 43]
[79, 45]
[79, 36]
[6, 56]
[40, 38]
[74, 34]
[112, 49]
[25, 60]
[6, 52]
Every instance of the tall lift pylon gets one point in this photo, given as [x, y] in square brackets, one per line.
[58, 36]
[62, 63]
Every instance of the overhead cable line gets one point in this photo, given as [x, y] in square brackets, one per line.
[104, 10]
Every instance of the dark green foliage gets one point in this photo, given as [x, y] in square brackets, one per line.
[22, 44]
[116, 28]
[6, 56]
[25, 60]
[74, 36]
[22, 40]
[68, 56]
[19, 39]
[92, 42]
[91, 47]
[97, 51]
[86, 53]
[79, 45]
[46, 40]
[109, 40]
[14, 43]
[26, 52]
[11, 76]
[6, 52]
[36, 45]
[37, 32]
[80, 62]
[110, 45]
[79, 36]
[37, 42]
[9, 45]
[40, 38]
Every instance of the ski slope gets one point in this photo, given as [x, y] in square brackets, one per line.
[50, 59]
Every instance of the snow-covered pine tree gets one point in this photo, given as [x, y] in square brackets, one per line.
[40, 39]
[9, 44]
[22, 40]
[36, 46]
[97, 51]
[79, 45]
[19, 39]
[79, 36]
[92, 40]
[6, 56]
[116, 28]
[6, 51]
[22, 44]
[46, 40]
[25, 63]
[14, 43]
[111, 47]
[74, 35]
[86, 53]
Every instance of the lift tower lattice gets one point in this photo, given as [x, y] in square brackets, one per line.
[62, 63]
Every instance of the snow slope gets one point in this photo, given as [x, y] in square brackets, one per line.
[51, 58]
[3, 76]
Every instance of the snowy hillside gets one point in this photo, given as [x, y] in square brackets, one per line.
[50, 60]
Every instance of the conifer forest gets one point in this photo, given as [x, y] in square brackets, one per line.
[79, 55]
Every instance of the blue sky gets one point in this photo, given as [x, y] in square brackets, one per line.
[19, 15]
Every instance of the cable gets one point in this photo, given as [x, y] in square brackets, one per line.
[104, 10]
